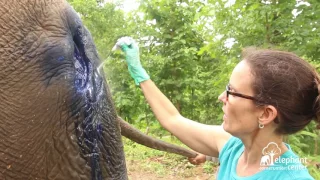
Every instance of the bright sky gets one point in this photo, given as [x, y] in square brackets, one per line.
[129, 5]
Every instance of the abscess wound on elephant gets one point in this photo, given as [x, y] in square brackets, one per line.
[81, 63]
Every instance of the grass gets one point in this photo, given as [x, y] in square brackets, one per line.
[159, 164]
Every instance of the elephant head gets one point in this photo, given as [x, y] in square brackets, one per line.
[57, 119]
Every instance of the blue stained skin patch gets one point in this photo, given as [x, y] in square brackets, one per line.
[81, 70]
[89, 130]
[61, 58]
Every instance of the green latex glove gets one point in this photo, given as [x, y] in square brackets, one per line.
[131, 50]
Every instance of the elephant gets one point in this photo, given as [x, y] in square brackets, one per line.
[265, 160]
[57, 118]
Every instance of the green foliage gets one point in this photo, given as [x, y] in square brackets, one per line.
[207, 167]
[181, 71]
[306, 145]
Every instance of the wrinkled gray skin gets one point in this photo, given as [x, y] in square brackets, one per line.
[57, 120]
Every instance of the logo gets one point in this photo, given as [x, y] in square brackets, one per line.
[270, 161]
[268, 153]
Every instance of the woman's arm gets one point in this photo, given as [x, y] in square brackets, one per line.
[202, 138]
[206, 139]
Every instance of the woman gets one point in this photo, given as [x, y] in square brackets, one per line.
[270, 94]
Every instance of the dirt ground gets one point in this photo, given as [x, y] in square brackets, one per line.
[135, 172]
[141, 175]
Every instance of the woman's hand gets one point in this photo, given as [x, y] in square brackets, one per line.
[199, 159]
[131, 50]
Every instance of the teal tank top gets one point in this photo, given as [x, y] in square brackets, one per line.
[286, 167]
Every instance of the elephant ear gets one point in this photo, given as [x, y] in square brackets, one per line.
[137, 136]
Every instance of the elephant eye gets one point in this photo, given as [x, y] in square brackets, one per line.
[81, 62]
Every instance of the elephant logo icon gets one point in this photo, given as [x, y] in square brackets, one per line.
[265, 160]
[268, 154]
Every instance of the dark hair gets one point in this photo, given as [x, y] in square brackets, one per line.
[287, 82]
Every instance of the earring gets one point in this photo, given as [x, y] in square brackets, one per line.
[261, 126]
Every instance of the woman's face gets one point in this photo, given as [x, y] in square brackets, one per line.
[240, 114]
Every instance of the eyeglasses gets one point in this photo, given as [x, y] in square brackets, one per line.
[238, 94]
